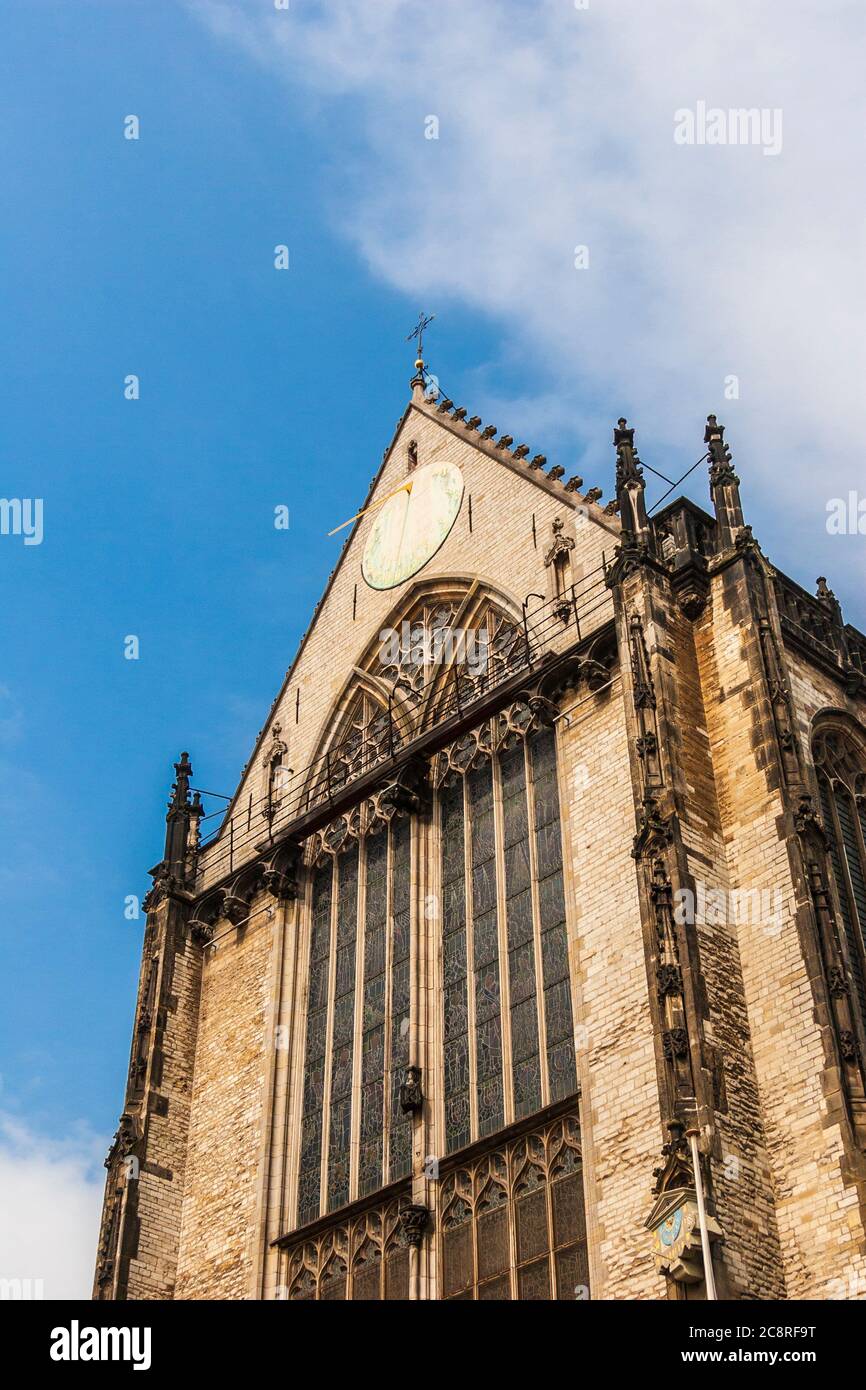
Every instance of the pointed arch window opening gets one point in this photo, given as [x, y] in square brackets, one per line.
[422, 671]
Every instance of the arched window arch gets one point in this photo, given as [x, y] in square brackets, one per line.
[440, 649]
[840, 760]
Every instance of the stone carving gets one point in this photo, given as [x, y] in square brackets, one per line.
[413, 1220]
[411, 1094]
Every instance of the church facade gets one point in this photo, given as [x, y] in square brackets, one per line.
[527, 961]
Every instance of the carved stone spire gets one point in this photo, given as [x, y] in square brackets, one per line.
[182, 812]
[630, 486]
[724, 485]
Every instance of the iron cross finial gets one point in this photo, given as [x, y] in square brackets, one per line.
[418, 332]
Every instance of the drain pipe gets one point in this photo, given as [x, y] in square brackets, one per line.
[692, 1136]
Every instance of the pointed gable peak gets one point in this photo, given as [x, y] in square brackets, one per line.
[429, 400]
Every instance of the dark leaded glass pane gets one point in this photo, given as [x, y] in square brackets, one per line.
[366, 1281]
[527, 1086]
[551, 902]
[342, 1058]
[333, 1285]
[400, 984]
[493, 1256]
[485, 939]
[400, 943]
[533, 1281]
[522, 975]
[318, 994]
[488, 1044]
[520, 919]
[549, 848]
[486, 993]
[568, 1217]
[558, 1012]
[374, 1002]
[495, 1290]
[554, 955]
[558, 1019]
[532, 1237]
[454, 900]
[484, 888]
[524, 1030]
[317, 1024]
[457, 1118]
[454, 960]
[847, 820]
[526, 1071]
[454, 957]
[490, 1104]
[517, 873]
[317, 1035]
[457, 1066]
[374, 948]
[455, 1010]
[572, 1274]
[458, 1271]
[400, 1127]
[338, 1152]
[561, 1070]
[397, 1275]
[845, 908]
[487, 984]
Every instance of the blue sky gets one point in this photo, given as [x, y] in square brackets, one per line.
[259, 387]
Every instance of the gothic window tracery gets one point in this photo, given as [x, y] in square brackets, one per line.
[364, 1259]
[841, 764]
[443, 652]
[512, 1222]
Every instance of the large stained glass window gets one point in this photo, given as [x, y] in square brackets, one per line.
[509, 1040]
[357, 1025]
[512, 1222]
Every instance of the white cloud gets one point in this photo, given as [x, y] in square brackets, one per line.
[49, 1215]
[556, 129]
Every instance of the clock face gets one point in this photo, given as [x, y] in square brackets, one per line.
[412, 525]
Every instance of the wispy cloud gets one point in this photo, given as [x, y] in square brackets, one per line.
[556, 129]
[52, 1192]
